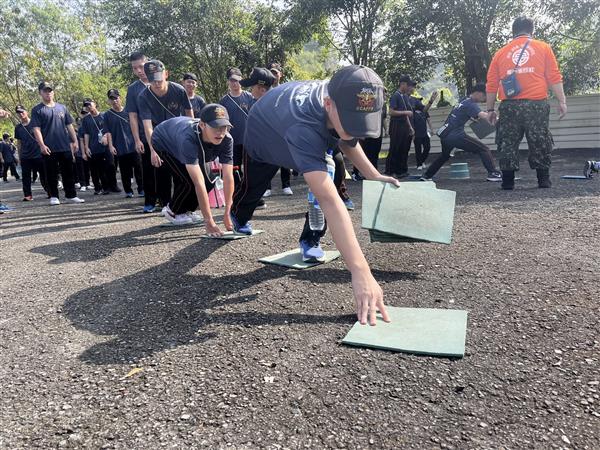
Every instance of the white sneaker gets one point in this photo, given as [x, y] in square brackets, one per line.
[83, 189]
[196, 218]
[288, 191]
[75, 200]
[77, 185]
[166, 211]
[267, 193]
[420, 167]
[54, 201]
[179, 219]
[60, 185]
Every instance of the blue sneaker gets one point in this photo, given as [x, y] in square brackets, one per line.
[141, 194]
[241, 229]
[312, 251]
[149, 209]
[349, 204]
[5, 208]
[129, 195]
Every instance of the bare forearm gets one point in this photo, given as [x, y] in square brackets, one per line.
[358, 158]
[228, 185]
[148, 130]
[72, 133]
[134, 125]
[559, 92]
[490, 101]
[37, 133]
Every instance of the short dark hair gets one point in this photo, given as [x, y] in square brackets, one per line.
[136, 56]
[5, 136]
[478, 87]
[522, 25]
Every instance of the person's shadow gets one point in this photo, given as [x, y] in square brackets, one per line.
[165, 306]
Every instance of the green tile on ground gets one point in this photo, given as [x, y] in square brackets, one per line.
[232, 236]
[422, 331]
[412, 210]
[482, 128]
[293, 259]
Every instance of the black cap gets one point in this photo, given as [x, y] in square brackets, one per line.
[45, 85]
[83, 112]
[412, 83]
[87, 102]
[154, 70]
[20, 109]
[215, 115]
[404, 79]
[479, 87]
[234, 73]
[189, 76]
[5, 136]
[260, 76]
[358, 95]
[113, 93]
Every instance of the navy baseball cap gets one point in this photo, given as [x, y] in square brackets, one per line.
[154, 70]
[404, 79]
[19, 109]
[358, 95]
[234, 74]
[87, 102]
[215, 116]
[45, 85]
[189, 76]
[113, 93]
[260, 76]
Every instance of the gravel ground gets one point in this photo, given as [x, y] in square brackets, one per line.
[230, 353]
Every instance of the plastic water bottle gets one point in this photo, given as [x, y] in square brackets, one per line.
[316, 219]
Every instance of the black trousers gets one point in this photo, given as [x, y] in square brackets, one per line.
[238, 160]
[157, 181]
[60, 163]
[285, 175]
[184, 197]
[257, 176]
[83, 171]
[130, 166]
[103, 171]
[29, 167]
[400, 139]
[372, 148]
[466, 143]
[13, 170]
[422, 149]
[339, 176]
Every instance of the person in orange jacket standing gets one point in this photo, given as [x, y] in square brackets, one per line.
[521, 73]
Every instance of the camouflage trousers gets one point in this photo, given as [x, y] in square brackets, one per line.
[529, 118]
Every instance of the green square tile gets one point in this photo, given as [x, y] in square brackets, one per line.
[232, 235]
[424, 331]
[293, 259]
[412, 210]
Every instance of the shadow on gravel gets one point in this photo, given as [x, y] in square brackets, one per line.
[164, 306]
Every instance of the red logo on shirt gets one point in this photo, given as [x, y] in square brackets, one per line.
[366, 100]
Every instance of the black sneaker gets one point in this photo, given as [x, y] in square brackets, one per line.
[494, 176]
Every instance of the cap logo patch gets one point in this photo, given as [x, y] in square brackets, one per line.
[220, 113]
[366, 100]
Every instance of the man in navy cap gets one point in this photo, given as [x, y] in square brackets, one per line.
[190, 83]
[294, 126]
[160, 101]
[121, 144]
[401, 129]
[53, 130]
[187, 146]
[8, 154]
[29, 152]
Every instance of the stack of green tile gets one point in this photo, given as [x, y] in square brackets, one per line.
[412, 212]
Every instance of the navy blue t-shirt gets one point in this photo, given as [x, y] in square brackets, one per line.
[197, 104]
[181, 138]
[401, 102]
[117, 124]
[29, 146]
[92, 126]
[287, 127]
[53, 121]
[131, 104]
[238, 108]
[463, 112]
[79, 145]
[158, 109]
[420, 117]
[8, 152]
